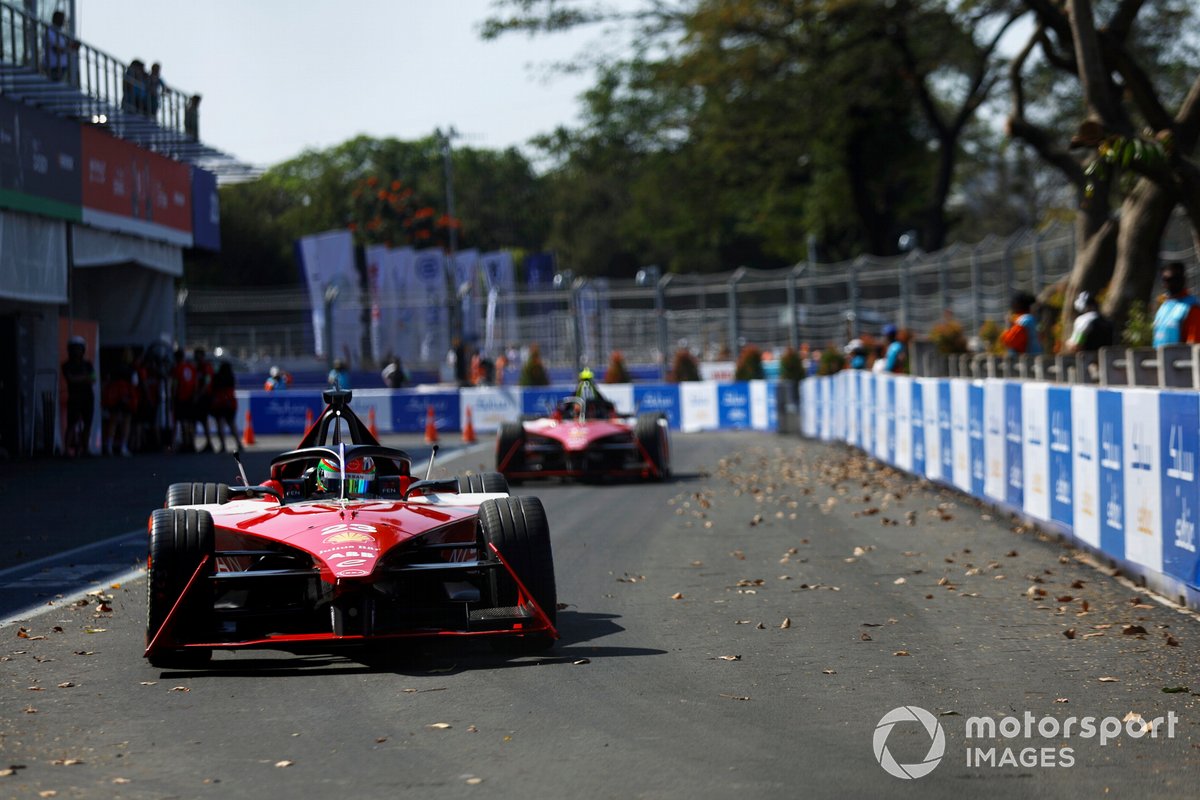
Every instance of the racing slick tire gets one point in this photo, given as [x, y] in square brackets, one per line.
[488, 482]
[510, 445]
[179, 539]
[517, 527]
[650, 431]
[196, 494]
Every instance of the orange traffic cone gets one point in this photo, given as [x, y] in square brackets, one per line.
[248, 432]
[469, 429]
[308, 419]
[371, 422]
[431, 435]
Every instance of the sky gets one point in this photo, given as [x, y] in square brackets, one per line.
[280, 76]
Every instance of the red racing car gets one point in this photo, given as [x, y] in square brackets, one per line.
[584, 437]
[343, 545]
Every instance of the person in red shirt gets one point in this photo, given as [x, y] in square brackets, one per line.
[204, 394]
[183, 390]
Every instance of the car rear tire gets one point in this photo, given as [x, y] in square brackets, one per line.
[488, 482]
[510, 440]
[195, 494]
[179, 539]
[517, 527]
[651, 434]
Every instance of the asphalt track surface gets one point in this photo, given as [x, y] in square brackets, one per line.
[738, 631]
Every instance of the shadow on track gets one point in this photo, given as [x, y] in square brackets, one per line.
[424, 658]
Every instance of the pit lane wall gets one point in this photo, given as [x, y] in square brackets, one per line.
[1112, 468]
[693, 406]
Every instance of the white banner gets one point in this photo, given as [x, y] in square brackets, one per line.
[995, 480]
[1143, 481]
[883, 411]
[466, 291]
[432, 319]
[760, 395]
[1085, 465]
[489, 407]
[328, 263]
[499, 276]
[933, 441]
[1035, 449]
[960, 435]
[808, 408]
[698, 406]
[903, 421]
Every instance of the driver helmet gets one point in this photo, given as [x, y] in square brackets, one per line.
[360, 476]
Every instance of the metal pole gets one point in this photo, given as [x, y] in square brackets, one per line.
[791, 312]
[854, 299]
[331, 293]
[905, 289]
[660, 311]
[976, 297]
[734, 331]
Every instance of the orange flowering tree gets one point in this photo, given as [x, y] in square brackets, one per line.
[387, 212]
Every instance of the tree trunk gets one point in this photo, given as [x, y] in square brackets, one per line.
[1144, 216]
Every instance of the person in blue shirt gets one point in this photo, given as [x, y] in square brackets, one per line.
[339, 376]
[1178, 318]
[894, 358]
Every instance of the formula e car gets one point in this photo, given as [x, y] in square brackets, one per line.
[343, 545]
[584, 437]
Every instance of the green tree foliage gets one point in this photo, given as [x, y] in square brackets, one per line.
[498, 200]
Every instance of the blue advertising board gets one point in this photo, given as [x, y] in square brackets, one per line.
[660, 399]
[946, 444]
[889, 443]
[283, 412]
[1109, 416]
[1014, 483]
[975, 437]
[541, 400]
[733, 405]
[1058, 401]
[206, 211]
[1179, 442]
[410, 410]
[918, 427]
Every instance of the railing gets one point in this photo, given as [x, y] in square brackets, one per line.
[95, 88]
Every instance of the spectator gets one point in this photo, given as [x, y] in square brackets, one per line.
[895, 359]
[394, 376]
[277, 380]
[183, 389]
[1178, 318]
[203, 397]
[1092, 329]
[154, 89]
[56, 47]
[339, 377]
[856, 352]
[80, 377]
[1022, 333]
[134, 98]
[224, 405]
[118, 402]
[191, 118]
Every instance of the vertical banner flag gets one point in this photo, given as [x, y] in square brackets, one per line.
[327, 260]
[1058, 407]
[376, 258]
[1179, 442]
[1109, 418]
[1143, 487]
[500, 279]
[995, 483]
[465, 271]
[1085, 465]
[1035, 453]
[428, 289]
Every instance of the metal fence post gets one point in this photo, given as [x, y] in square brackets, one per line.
[905, 288]
[853, 317]
[793, 312]
[976, 291]
[660, 310]
[734, 330]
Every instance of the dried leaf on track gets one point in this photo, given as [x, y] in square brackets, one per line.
[1107, 679]
[1133, 630]
[730, 658]
[787, 623]
[1069, 633]
[677, 596]
[901, 653]
[440, 726]
[829, 672]
[284, 763]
